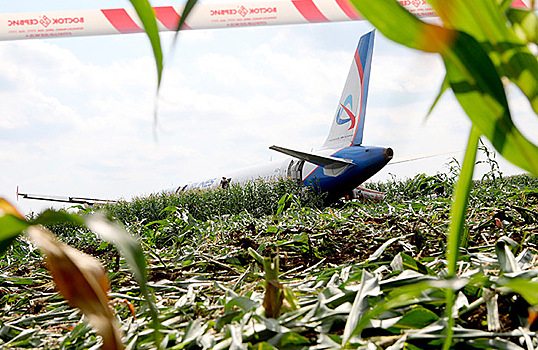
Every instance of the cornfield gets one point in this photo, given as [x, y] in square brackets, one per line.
[442, 262]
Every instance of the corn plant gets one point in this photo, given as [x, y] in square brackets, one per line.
[480, 42]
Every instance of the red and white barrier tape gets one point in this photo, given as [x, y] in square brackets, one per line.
[204, 16]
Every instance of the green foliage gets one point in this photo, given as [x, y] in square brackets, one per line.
[480, 42]
[373, 270]
[131, 251]
[10, 227]
[258, 198]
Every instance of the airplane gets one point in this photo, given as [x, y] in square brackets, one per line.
[342, 163]
[336, 169]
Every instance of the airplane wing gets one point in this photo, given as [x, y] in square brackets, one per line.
[65, 199]
[313, 158]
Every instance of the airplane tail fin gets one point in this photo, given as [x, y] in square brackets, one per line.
[348, 123]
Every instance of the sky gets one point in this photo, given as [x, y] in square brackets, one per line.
[76, 114]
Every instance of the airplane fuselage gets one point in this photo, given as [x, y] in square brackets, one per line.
[335, 181]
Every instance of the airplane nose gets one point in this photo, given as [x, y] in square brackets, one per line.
[388, 153]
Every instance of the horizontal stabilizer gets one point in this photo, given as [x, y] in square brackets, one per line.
[313, 158]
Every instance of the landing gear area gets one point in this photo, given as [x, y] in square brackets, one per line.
[365, 194]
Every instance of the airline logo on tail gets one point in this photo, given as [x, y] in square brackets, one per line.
[350, 116]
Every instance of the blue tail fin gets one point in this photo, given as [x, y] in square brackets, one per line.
[348, 123]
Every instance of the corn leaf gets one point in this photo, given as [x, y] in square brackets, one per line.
[525, 24]
[470, 71]
[457, 213]
[292, 338]
[132, 252]
[419, 317]
[479, 90]
[369, 287]
[52, 217]
[506, 258]
[186, 11]
[7, 208]
[486, 22]
[444, 86]
[400, 296]
[526, 288]
[147, 17]
[12, 224]
[263, 346]
[82, 281]
[389, 17]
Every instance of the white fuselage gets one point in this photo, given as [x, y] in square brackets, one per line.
[269, 171]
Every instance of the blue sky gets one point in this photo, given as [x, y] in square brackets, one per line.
[76, 113]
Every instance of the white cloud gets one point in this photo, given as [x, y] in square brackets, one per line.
[409, 74]
[232, 71]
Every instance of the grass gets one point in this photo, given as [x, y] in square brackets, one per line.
[358, 268]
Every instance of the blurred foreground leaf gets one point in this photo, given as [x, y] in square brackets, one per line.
[471, 73]
[7, 208]
[527, 289]
[486, 22]
[12, 224]
[479, 90]
[147, 17]
[82, 281]
[132, 252]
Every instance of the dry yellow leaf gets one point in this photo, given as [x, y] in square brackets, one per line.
[82, 281]
[7, 208]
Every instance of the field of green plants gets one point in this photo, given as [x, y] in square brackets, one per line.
[359, 274]
[437, 264]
